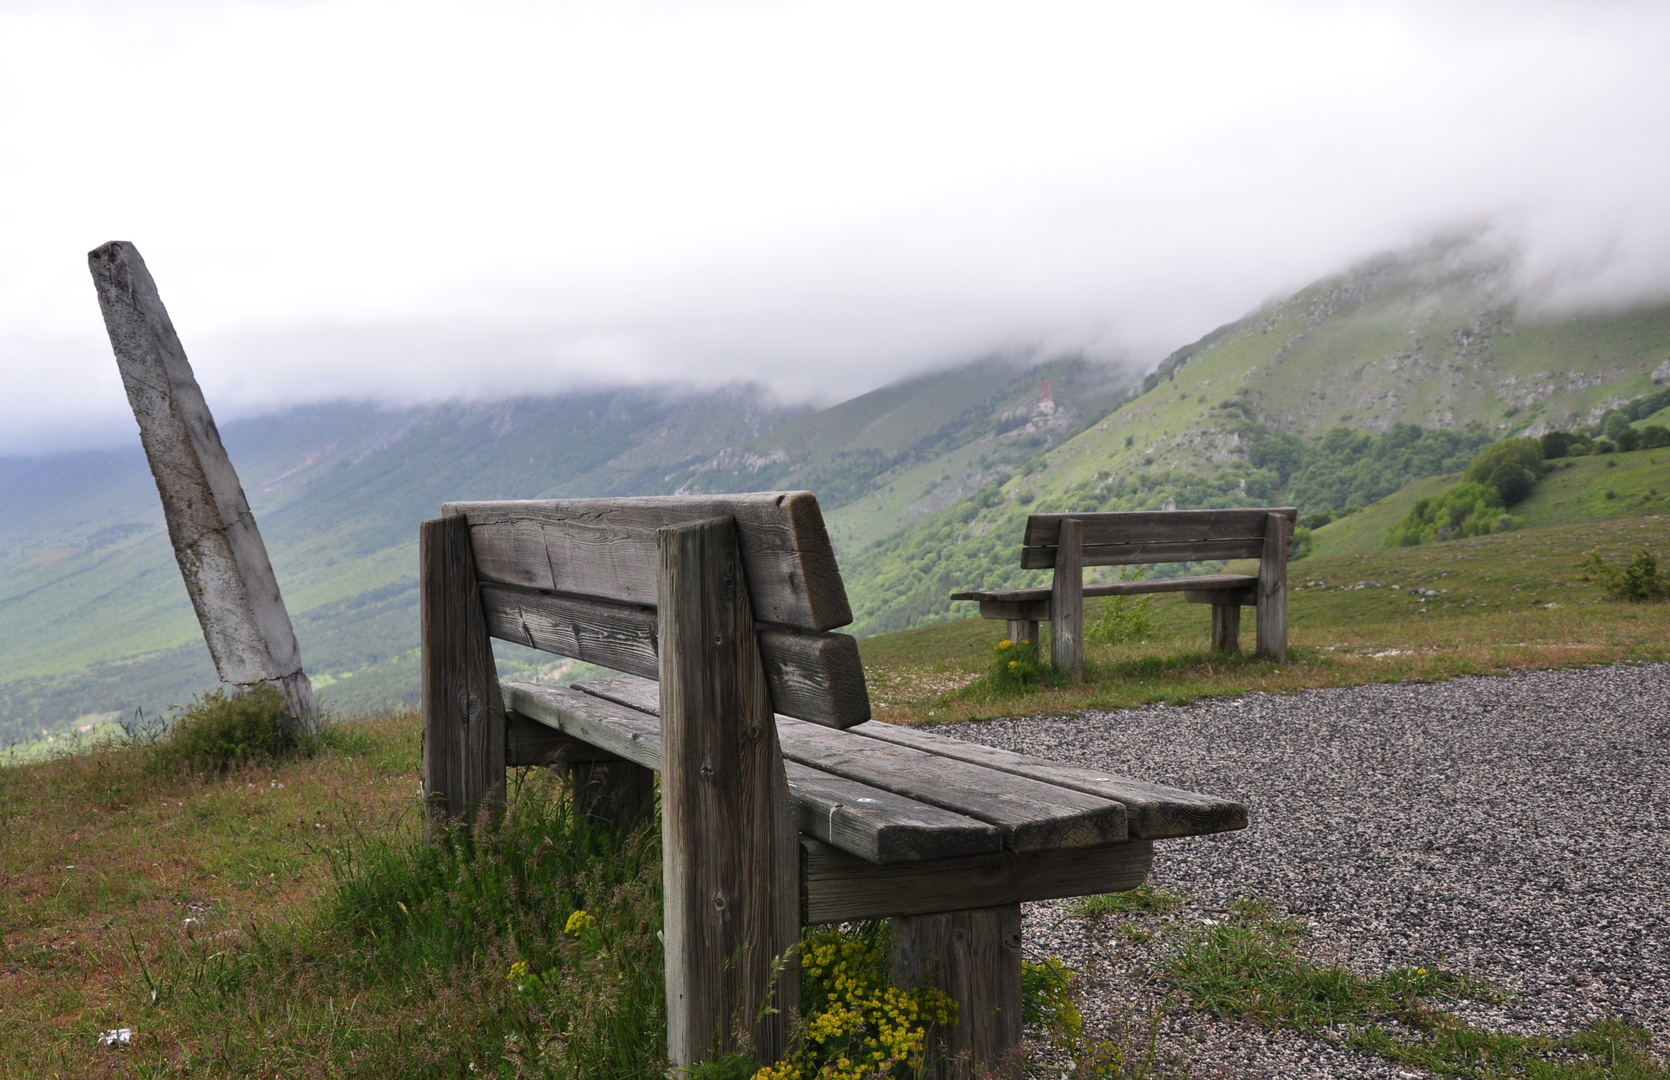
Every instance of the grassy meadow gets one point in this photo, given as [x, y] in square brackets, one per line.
[1467, 607]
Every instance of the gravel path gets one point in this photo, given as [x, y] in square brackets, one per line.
[1517, 827]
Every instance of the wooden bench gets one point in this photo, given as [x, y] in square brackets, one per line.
[782, 803]
[1067, 543]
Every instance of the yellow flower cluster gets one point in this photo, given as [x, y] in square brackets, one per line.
[866, 1028]
[518, 971]
[579, 922]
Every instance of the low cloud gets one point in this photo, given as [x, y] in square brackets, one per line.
[417, 201]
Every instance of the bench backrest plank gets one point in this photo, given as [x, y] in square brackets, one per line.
[606, 548]
[569, 577]
[1127, 539]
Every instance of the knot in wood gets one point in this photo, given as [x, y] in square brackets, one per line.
[719, 901]
[751, 735]
[469, 706]
[707, 771]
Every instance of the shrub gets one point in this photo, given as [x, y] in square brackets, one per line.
[1124, 619]
[1526, 453]
[1641, 580]
[1629, 439]
[220, 731]
[1559, 444]
[1514, 482]
[1471, 509]
[1655, 437]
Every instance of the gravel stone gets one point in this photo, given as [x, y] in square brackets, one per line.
[1515, 828]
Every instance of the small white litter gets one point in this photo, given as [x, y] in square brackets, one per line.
[118, 1037]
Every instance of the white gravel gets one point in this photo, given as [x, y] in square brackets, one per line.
[1516, 828]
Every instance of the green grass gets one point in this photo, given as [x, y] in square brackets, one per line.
[1252, 967]
[1146, 898]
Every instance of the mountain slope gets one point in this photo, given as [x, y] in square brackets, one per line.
[1432, 337]
[94, 620]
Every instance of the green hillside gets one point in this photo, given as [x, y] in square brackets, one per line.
[1604, 487]
[1406, 365]
[95, 622]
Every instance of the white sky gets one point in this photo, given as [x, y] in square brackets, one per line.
[419, 200]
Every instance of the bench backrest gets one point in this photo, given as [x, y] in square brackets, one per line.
[1161, 536]
[577, 577]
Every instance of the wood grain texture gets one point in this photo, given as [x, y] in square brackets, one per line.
[606, 548]
[874, 824]
[813, 676]
[1272, 589]
[1031, 815]
[974, 956]
[219, 549]
[1022, 629]
[1154, 811]
[463, 714]
[730, 855]
[1226, 628]
[839, 887]
[1167, 526]
[1067, 601]
[1043, 558]
[1200, 582]
[529, 742]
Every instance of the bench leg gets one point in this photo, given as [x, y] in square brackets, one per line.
[611, 793]
[1023, 630]
[1272, 590]
[1226, 628]
[975, 957]
[1067, 601]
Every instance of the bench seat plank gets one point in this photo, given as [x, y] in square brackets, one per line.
[606, 548]
[875, 825]
[836, 887]
[813, 676]
[1155, 810]
[1031, 815]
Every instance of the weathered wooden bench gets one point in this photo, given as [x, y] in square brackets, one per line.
[782, 803]
[1067, 543]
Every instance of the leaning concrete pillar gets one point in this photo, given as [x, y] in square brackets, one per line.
[219, 549]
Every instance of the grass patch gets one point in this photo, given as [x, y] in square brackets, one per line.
[1250, 966]
[220, 731]
[1145, 898]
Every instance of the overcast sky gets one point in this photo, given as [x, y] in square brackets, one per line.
[420, 200]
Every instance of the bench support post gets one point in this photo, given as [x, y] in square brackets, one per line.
[1226, 628]
[1023, 630]
[975, 957]
[464, 730]
[1272, 590]
[730, 852]
[1067, 601]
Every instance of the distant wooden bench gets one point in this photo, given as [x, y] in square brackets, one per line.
[782, 803]
[1067, 543]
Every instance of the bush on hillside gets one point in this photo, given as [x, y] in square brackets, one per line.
[1640, 581]
[1471, 509]
[1511, 466]
[220, 731]
[1559, 444]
